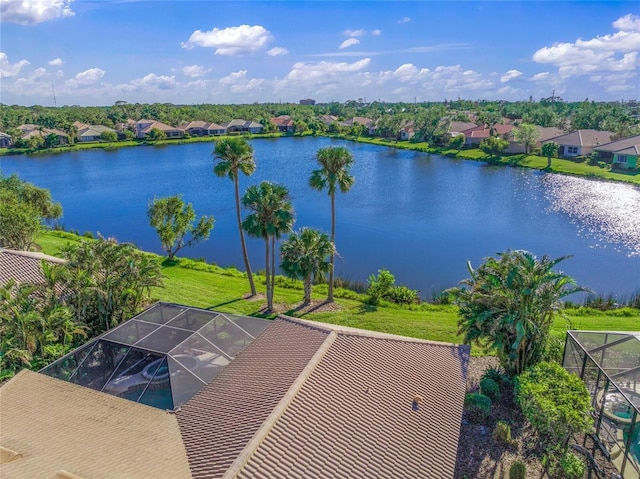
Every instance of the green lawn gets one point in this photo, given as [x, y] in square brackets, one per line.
[206, 286]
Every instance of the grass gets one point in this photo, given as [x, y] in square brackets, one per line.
[199, 284]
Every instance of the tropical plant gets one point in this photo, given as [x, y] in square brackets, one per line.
[305, 256]
[173, 221]
[509, 303]
[478, 407]
[335, 163]
[156, 135]
[527, 135]
[109, 136]
[108, 282]
[380, 285]
[272, 216]
[457, 141]
[554, 401]
[493, 145]
[550, 150]
[231, 157]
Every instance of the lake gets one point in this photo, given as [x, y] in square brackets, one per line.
[420, 216]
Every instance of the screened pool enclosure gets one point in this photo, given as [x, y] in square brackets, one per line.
[162, 357]
[609, 365]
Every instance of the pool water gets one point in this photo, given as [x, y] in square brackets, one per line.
[634, 446]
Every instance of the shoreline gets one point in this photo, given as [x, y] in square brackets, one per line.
[560, 166]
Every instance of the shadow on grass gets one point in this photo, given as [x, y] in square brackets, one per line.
[224, 304]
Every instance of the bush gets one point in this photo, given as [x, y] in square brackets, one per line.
[478, 407]
[496, 374]
[380, 285]
[518, 470]
[502, 433]
[572, 466]
[554, 350]
[490, 388]
[402, 295]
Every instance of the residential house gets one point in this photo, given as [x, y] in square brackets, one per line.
[580, 142]
[143, 127]
[23, 266]
[621, 153]
[544, 135]
[368, 123]
[475, 135]
[455, 128]
[203, 128]
[92, 132]
[284, 123]
[407, 131]
[243, 126]
[5, 140]
[328, 119]
[30, 130]
[302, 400]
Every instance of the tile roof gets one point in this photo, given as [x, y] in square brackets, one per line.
[584, 138]
[483, 131]
[353, 416]
[219, 422]
[23, 266]
[620, 145]
[58, 426]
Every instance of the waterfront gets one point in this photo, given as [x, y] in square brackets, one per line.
[420, 216]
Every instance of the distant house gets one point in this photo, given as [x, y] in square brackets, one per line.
[243, 126]
[92, 132]
[407, 131]
[307, 101]
[328, 119]
[5, 140]
[202, 128]
[580, 142]
[143, 127]
[284, 123]
[29, 131]
[455, 128]
[544, 135]
[368, 123]
[475, 135]
[621, 153]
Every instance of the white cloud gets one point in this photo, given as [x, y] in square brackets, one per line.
[30, 12]
[276, 51]
[541, 76]
[354, 33]
[9, 70]
[56, 62]
[349, 42]
[239, 40]
[510, 75]
[404, 20]
[628, 23]
[161, 82]
[86, 78]
[607, 53]
[376, 33]
[195, 71]
[315, 71]
[237, 82]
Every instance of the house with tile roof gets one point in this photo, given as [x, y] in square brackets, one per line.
[203, 128]
[302, 400]
[544, 134]
[144, 127]
[284, 123]
[621, 153]
[23, 266]
[92, 132]
[475, 135]
[30, 130]
[243, 126]
[580, 142]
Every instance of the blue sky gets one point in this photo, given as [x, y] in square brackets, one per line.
[98, 52]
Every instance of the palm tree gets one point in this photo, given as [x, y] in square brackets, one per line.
[335, 163]
[272, 215]
[305, 256]
[509, 303]
[231, 156]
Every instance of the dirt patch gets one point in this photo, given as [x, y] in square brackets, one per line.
[255, 297]
[318, 307]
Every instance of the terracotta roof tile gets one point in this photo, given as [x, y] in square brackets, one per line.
[223, 417]
[353, 415]
[23, 266]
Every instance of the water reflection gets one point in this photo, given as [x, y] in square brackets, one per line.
[609, 213]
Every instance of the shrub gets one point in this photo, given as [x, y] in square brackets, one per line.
[380, 285]
[602, 164]
[490, 388]
[402, 295]
[572, 466]
[518, 470]
[554, 350]
[478, 407]
[496, 374]
[502, 433]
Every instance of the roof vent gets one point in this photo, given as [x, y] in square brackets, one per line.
[415, 404]
[7, 455]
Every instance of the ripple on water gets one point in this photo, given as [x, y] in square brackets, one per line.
[604, 211]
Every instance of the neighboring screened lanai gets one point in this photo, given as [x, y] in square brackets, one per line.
[161, 357]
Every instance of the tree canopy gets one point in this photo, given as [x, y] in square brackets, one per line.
[174, 223]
